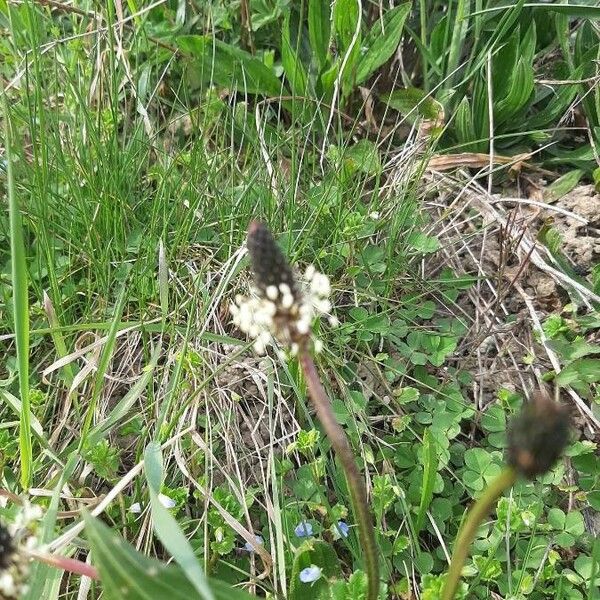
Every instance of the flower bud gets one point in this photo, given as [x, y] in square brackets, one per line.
[271, 268]
[537, 436]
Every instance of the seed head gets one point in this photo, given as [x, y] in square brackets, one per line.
[537, 436]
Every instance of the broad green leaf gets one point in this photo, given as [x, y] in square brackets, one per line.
[166, 526]
[345, 21]
[328, 78]
[563, 185]
[319, 29]
[463, 126]
[421, 242]
[430, 463]
[229, 66]
[521, 87]
[126, 573]
[459, 35]
[363, 156]
[382, 41]
[294, 70]
[413, 103]
[559, 102]
[585, 370]
[318, 553]
[504, 64]
[528, 44]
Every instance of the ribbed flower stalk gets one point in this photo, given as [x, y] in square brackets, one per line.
[537, 437]
[282, 310]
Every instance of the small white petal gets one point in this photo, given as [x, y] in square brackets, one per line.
[284, 288]
[135, 508]
[374, 215]
[306, 310]
[318, 346]
[310, 272]
[295, 349]
[259, 346]
[272, 292]
[7, 585]
[303, 326]
[320, 284]
[323, 306]
[287, 301]
[333, 321]
[166, 501]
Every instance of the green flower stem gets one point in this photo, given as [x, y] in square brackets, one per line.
[356, 484]
[481, 508]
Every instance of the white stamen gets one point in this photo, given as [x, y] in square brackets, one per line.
[287, 301]
[303, 326]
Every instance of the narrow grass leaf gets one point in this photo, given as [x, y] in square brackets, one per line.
[44, 581]
[57, 338]
[166, 526]
[119, 412]
[572, 10]
[430, 464]
[163, 280]
[105, 356]
[20, 306]
[126, 573]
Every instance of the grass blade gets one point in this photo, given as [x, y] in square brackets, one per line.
[20, 307]
[104, 361]
[166, 526]
[429, 460]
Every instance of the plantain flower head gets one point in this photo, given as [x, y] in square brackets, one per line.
[16, 540]
[282, 306]
[537, 436]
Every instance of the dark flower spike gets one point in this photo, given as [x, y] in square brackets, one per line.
[270, 266]
[537, 436]
[7, 548]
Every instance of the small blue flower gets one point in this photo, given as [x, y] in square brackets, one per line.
[303, 529]
[342, 528]
[310, 574]
[250, 548]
